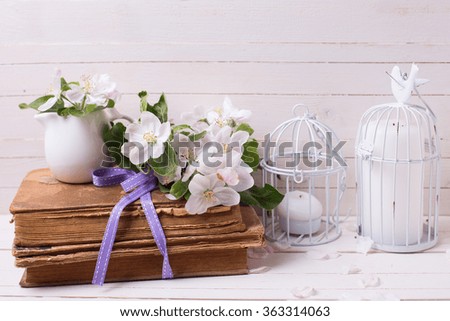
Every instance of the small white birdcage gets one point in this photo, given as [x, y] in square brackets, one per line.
[302, 159]
[397, 171]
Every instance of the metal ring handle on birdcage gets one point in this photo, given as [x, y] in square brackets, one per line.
[298, 176]
[306, 114]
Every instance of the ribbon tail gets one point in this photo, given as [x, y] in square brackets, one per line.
[107, 244]
[158, 233]
[110, 234]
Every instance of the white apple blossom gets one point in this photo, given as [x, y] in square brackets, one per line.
[209, 191]
[223, 140]
[227, 115]
[188, 153]
[145, 139]
[238, 178]
[229, 168]
[54, 90]
[96, 89]
[196, 118]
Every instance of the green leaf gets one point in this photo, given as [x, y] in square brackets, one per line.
[250, 155]
[166, 164]
[90, 108]
[185, 133]
[64, 112]
[113, 151]
[58, 107]
[111, 103]
[159, 109]
[36, 103]
[179, 188]
[144, 104]
[115, 133]
[187, 195]
[178, 128]
[64, 85]
[75, 112]
[246, 128]
[195, 137]
[266, 197]
[114, 138]
[163, 188]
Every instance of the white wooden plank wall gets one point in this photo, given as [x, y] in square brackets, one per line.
[266, 55]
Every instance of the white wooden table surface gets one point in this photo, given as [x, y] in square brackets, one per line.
[420, 276]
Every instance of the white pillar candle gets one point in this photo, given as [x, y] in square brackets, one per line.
[303, 212]
[392, 194]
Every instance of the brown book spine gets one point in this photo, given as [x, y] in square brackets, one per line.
[141, 267]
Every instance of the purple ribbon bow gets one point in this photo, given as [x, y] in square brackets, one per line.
[139, 185]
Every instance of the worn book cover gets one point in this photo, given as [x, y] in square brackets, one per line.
[47, 212]
[59, 228]
[222, 254]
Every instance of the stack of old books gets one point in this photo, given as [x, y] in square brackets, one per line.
[59, 228]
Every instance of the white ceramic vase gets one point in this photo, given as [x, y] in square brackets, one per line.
[74, 145]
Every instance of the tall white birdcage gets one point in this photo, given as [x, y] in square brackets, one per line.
[302, 159]
[397, 171]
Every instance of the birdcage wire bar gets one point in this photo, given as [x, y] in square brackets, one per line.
[326, 182]
[398, 177]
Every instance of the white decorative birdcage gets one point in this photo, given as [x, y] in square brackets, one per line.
[397, 171]
[302, 159]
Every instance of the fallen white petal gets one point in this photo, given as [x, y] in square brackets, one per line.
[280, 246]
[170, 197]
[350, 269]
[257, 253]
[447, 253]
[49, 180]
[259, 270]
[363, 244]
[370, 281]
[333, 255]
[304, 292]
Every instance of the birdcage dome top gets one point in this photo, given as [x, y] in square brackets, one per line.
[398, 132]
[302, 145]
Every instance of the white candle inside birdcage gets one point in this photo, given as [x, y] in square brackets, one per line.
[392, 191]
[300, 213]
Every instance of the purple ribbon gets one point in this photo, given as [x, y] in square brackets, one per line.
[137, 185]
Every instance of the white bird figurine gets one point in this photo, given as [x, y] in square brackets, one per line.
[403, 85]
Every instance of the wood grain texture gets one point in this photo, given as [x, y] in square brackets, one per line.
[255, 52]
[232, 21]
[266, 56]
[231, 78]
